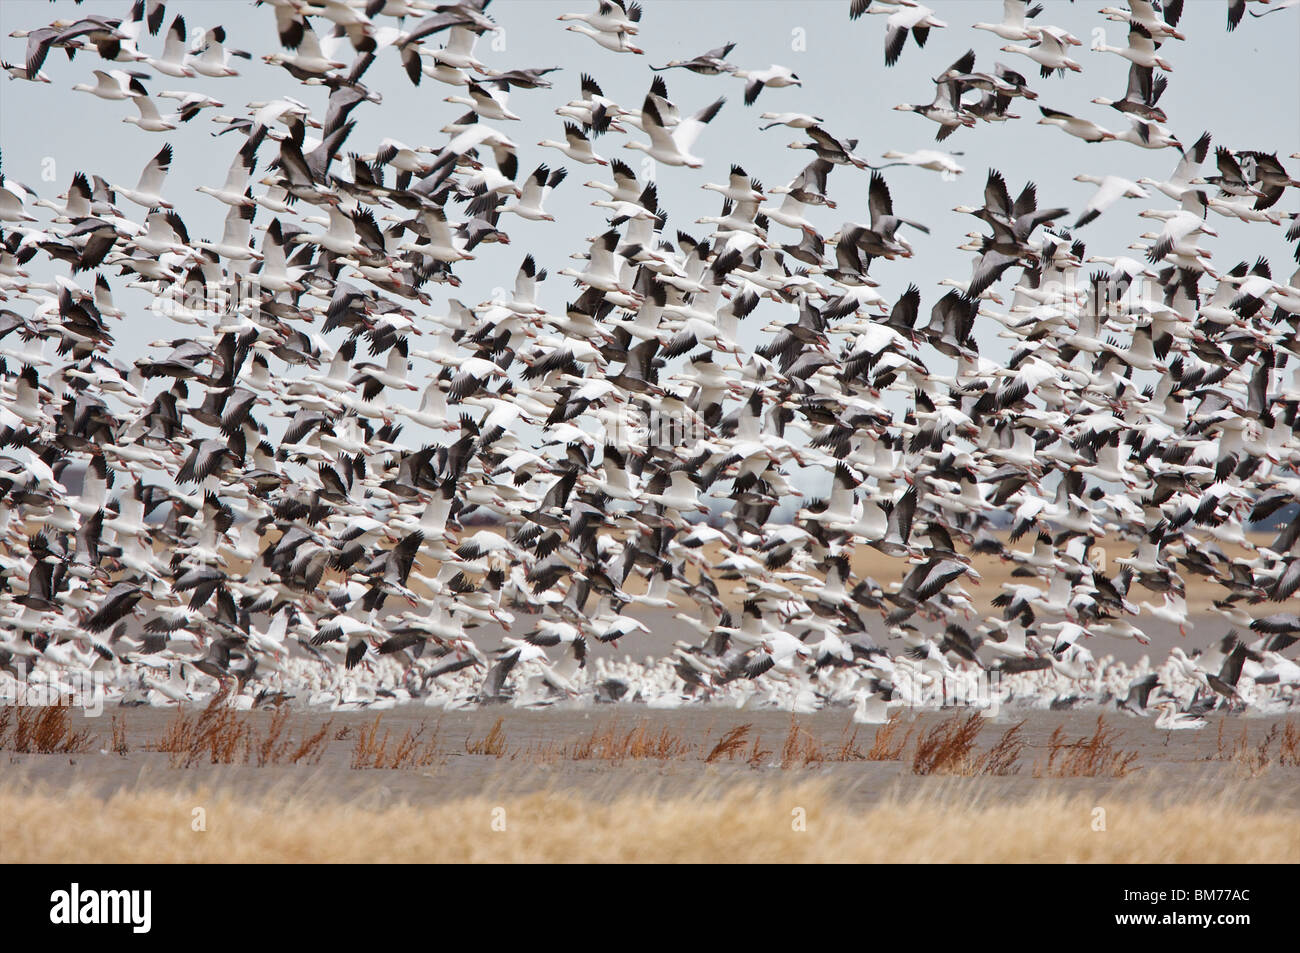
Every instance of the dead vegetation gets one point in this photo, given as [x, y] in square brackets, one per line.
[641, 742]
[220, 735]
[950, 748]
[492, 744]
[742, 823]
[887, 745]
[44, 730]
[1253, 760]
[412, 750]
[118, 744]
[801, 748]
[732, 744]
[1093, 757]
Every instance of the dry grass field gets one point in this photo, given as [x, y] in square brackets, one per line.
[218, 786]
[741, 824]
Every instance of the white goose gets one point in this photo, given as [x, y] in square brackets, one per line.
[115, 84]
[673, 148]
[148, 192]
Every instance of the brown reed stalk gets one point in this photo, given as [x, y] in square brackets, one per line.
[801, 749]
[948, 747]
[118, 744]
[886, 746]
[1289, 747]
[368, 752]
[1092, 757]
[47, 729]
[492, 744]
[731, 744]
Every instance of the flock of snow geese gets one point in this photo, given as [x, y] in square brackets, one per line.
[256, 505]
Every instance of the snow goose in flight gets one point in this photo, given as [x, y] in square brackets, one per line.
[924, 159]
[20, 72]
[340, 237]
[706, 64]
[774, 76]
[605, 269]
[576, 146]
[611, 16]
[1049, 53]
[619, 42]
[440, 245]
[1084, 129]
[150, 120]
[1145, 13]
[597, 113]
[148, 192]
[1110, 189]
[673, 148]
[946, 108]
[190, 103]
[1139, 690]
[1144, 90]
[115, 84]
[793, 120]
[1013, 26]
[172, 62]
[308, 59]
[13, 196]
[1149, 135]
[1141, 49]
[213, 59]
[235, 189]
[739, 187]
[1231, 180]
[164, 232]
[234, 244]
[487, 103]
[918, 19]
[537, 187]
[1181, 182]
[1181, 227]
[837, 151]
[1172, 719]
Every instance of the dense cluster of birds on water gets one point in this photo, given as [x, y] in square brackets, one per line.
[257, 505]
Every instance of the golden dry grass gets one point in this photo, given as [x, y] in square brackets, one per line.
[735, 824]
